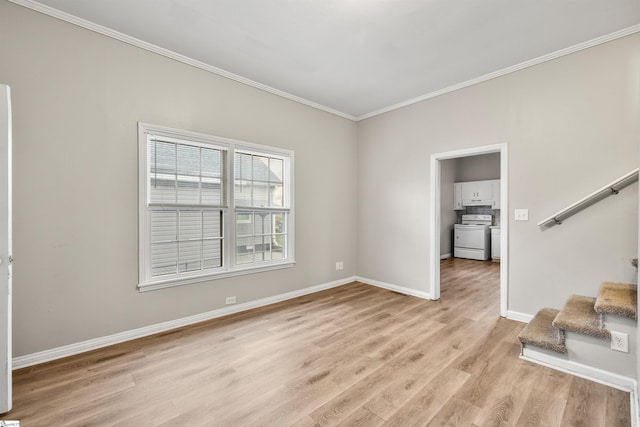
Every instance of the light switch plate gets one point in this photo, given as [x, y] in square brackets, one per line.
[522, 214]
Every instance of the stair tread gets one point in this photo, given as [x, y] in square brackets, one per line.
[541, 332]
[620, 299]
[579, 315]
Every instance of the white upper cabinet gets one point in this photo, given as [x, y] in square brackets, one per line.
[457, 196]
[496, 194]
[477, 193]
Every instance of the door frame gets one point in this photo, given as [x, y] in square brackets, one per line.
[5, 251]
[434, 270]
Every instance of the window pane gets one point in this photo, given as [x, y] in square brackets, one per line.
[243, 193]
[162, 172]
[244, 224]
[277, 247]
[262, 245]
[164, 226]
[188, 190]
[276, 193]
[190, 256]
[264, 185]
[279, 222]
[262, 223]
[276, 166]
[244, 250]
[188, 160]
[211, 191]
[211, 163]
[211, 224]
[190, 225]
[260, 168]
[165, 161]
[243, 166]
[212, 253]
[164, 258]
[268, 240]
[260, 194]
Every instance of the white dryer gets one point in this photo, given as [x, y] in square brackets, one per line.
[472, 238]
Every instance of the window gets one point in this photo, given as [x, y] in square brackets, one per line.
[211, 207]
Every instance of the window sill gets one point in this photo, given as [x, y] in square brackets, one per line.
[170, 283]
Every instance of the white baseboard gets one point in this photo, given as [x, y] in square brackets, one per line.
[95, 343]
[520, 317]
[396, 288]
[583, 371]
[445, 256]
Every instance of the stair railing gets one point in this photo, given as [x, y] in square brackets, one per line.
[604, 192]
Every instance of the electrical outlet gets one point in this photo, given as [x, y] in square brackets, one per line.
[230, 300]
[620, 342]
[339, 265]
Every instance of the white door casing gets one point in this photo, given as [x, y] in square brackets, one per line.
[5, 249]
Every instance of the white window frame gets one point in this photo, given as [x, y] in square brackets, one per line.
[229, 267]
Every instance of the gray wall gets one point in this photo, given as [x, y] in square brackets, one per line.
[77, 98]
[571, 125]
[478, 168]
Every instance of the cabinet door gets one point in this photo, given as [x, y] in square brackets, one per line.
[469, 190]
[484, 190]
[457, 196]
[496, 194]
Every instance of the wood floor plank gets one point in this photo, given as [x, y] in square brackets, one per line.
[428, 402]
[618, 406]
[586, 405]
[542, 409]
[348, 356]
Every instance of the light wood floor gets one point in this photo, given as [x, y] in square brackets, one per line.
[353, 355]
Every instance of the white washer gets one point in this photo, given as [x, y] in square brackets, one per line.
[472, 238]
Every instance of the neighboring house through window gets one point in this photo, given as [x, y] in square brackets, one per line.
[211, 207]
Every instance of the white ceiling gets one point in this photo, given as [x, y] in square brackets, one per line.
[358, 57]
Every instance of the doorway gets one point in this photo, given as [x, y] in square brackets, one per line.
[435, 221]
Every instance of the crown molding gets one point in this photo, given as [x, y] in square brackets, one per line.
[526, 64]
[55, 13]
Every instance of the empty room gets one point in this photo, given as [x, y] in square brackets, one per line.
[306, 213]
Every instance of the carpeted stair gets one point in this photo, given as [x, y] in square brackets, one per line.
[619, 299]
[581, 314]
[541, 332]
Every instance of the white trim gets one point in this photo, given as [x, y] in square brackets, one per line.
[445, 256]
[519, 317]
[634, 409]
[434, 229]
[154, 286]
[80, 22]
[55, 13]
[508, 70]
[6, 249]
[434, 222]
[92, 344]
[601, 376]
[395, 288]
